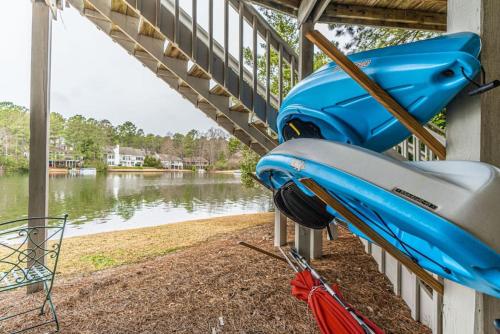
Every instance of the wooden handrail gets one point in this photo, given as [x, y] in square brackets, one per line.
[377, 92]
[372, 234]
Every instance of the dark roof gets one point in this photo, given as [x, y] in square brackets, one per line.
[132, 151]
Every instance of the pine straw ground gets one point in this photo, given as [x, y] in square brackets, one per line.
[217, 287]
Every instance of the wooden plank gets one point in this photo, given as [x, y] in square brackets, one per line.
[280, 228]
[373, 235]
[241, 65]
[194, 28]
[319, 10]
[41, 37]
[305, 9]
[226, 42]
[305, 67]
[369, 15]
[377, 92]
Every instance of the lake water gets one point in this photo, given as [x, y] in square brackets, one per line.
[130, 200]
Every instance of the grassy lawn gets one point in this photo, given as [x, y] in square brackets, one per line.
[105, 250]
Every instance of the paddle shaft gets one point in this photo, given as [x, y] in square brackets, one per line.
[260, 250]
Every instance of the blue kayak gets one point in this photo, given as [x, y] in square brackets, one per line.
[441, 214]
[422, 76]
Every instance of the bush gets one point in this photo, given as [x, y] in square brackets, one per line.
[10, 164]
[99, 165]
[248, 164]
[150, 161]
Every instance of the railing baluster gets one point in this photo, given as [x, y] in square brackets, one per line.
[280, 75]
[292, 73]
[268, 72]
[416, 149]
[240, 60]
[177, 33]
[194, 43]
[255, 60]
[210, 34]
[226, 42]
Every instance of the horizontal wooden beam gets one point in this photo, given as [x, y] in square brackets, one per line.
[361, 15]
[377, 92]
[388, 17]
[345, 212]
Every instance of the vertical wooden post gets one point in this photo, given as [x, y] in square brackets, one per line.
[316, 244]
[473, 134]
[307, 245]
[280, 229]
[41, 37]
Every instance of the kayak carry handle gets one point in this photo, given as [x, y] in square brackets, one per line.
[483, 87]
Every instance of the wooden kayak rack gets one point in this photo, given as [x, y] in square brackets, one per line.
[345, 212]
[377, 92]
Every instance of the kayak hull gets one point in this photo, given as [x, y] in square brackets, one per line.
[422, 76]
[441, 237]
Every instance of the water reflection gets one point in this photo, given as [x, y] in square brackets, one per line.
[119, 201]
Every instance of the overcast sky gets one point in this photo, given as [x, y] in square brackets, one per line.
[92, 75]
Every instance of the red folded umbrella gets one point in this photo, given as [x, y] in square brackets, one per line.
[332, 317]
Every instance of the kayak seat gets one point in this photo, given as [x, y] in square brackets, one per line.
[305, 210]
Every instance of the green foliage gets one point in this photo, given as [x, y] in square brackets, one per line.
[288, 29]
[440, 120]
[234, 145]
[11, 164]
[361, 38]
[248, 164]
[87, 139]
[100, 165]
[189, 143]
[151, 161]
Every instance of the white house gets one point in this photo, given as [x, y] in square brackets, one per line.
[170, 161]
[125, 156]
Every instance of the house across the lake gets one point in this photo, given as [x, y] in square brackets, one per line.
[196, 163]
[125, 156]
[170, 161]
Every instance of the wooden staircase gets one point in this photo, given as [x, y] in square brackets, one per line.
[168, 41]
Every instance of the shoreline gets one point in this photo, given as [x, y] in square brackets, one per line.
[64, 171]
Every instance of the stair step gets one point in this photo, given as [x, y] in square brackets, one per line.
[208, 109]
[147, 29]
[219, 90]
[173, 52]
[188, 92]
[122, 7]
[116, 33]
[238, 107]
[143, 55]
[164, 72]
[242, 136]
[258, 148]
[93, 14]
[198, 72]
[225, 122]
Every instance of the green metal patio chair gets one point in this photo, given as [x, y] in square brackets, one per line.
[29, 256]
